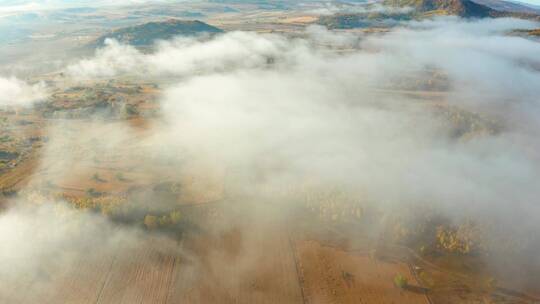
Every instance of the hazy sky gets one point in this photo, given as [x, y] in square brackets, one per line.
[9, 6]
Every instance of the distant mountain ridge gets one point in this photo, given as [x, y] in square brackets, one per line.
[469, 8]
[146, 34]
[427, 8]
[463, 8]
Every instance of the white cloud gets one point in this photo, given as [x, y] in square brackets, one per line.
[280, 112]
[15, 92]
[184, 56]
[315, 113]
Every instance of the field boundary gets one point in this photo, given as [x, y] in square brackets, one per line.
[299, 273]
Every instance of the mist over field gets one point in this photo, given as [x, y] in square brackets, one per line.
[317, 113]
[16, 92]
[282, 116]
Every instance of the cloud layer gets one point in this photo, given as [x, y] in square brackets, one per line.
[302, 106]
[15, 92]
[390, 119]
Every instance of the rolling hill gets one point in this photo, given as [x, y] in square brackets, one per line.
[468, 8]
[463, 8]
[428, 8]
[146, 34]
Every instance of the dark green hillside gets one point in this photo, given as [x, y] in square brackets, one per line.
[463, 8]
[146, 34]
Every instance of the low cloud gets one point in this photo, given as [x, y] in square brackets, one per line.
[338, 119]
[185, 56]
[439, 114]
[317, 110]
[256, 100]
[15, 92]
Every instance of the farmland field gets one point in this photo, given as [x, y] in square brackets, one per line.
[331, 275]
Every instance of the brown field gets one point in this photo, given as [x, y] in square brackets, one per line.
[142, 276]
[300, 19]
[332, 275]
[228, 255]
[113, 171]
[225, 266]
[237, 267]
[236, 260]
